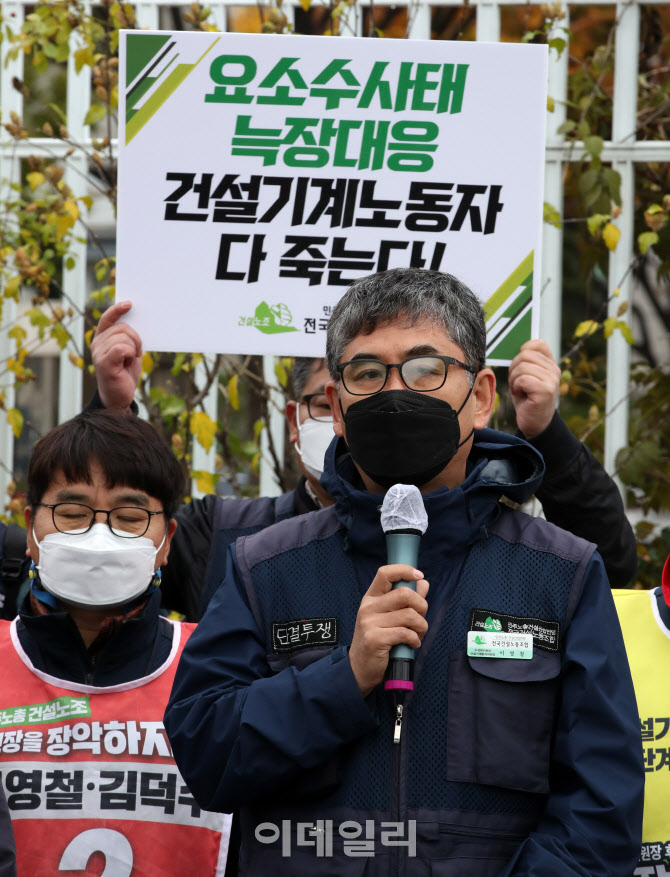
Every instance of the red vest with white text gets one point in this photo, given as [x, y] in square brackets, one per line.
[89, 776]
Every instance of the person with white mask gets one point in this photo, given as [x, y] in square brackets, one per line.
[89, 661]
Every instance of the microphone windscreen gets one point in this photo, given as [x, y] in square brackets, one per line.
[403, 509]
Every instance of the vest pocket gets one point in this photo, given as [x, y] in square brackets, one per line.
[500, 720]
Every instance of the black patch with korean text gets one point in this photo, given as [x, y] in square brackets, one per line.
[303, 633]
[546, 634]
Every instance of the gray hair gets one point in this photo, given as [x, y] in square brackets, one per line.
[303, 368]
[411, 296]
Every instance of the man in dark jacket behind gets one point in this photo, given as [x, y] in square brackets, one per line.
[491, 762]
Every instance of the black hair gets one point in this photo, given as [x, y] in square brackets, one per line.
[129, 451]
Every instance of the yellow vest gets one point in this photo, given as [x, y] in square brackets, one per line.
[648, 646]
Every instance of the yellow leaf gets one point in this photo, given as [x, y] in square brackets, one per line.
[306, 4]
[611, 235]
[205, 481]
[281, 373]
[35, 179]
[233, 392]
[203, 428]
[18, 333]
[587, 327]
[87, 200]
[62, 223]
[609, 326]
[15, 420]
[12, 287]
[72, 209]
[625, 330]
[623, 307]
[550, 104]
[147, 363]
[76, 360]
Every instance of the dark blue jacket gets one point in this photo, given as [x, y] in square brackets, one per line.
[507, 767]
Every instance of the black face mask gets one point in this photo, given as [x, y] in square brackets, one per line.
[403, 437]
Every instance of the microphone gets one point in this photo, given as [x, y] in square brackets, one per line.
[404, 521]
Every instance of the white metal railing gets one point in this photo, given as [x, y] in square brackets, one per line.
[623, 151]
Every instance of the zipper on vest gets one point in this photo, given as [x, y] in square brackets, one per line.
[397, 728]
[399, 791]
[91, 670]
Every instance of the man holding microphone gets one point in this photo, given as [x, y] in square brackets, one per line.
[517, 752]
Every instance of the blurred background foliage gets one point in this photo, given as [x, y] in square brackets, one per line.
[41, 217]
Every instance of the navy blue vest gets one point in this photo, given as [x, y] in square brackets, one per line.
[472, 767]
[240, 518]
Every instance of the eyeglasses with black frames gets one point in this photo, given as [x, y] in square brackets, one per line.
[318, 407]
[74, 518]
[365, 377]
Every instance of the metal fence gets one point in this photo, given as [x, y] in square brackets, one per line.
[622, 152]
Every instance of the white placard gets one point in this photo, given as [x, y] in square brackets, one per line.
[260, 175]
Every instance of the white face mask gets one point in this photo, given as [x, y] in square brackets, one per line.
[96, 569]
[314, 437]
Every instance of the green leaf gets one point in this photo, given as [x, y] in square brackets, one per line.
[550, 215]
[583, 129]
[95, 114]
[557, 44]
[178, 364]
[61, 335]
[567, 127]
[58, 112]
[18, 333]
[38, 318]
[83, 56]
[625, 330]
[595, 223]
[170, 405]
[608, 326]
[588, 181]
[645, 240]
[12, 287]
[612, 180]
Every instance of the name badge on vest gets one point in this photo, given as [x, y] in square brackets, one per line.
[303, 633]
[518, 646]
[542, 634]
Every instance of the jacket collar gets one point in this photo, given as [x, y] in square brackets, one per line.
[54, 644]
[498, 465]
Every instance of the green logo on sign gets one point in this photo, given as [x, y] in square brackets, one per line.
[480, 640]
[492, 624]
[51, 711]
[270, 319]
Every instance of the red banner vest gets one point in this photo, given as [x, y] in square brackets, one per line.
[90, 780]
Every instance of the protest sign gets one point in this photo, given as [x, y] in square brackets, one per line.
[259, 176]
